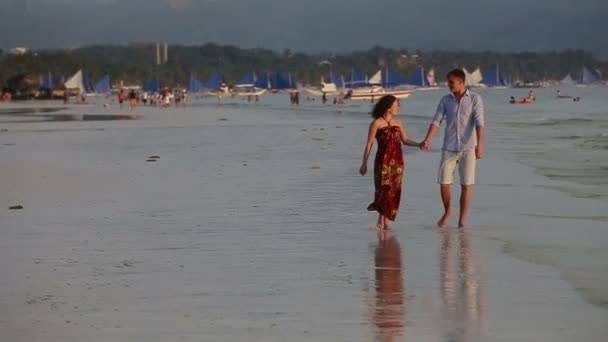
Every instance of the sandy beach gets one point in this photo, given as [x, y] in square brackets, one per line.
[236, 223]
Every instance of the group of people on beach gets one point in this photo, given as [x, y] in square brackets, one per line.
[165, 98]
[463, 144]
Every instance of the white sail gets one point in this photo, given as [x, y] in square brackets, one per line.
[476, 77]
[75, 82]
[567, 80]
[430, 78]
[377, 78]
[472, 79]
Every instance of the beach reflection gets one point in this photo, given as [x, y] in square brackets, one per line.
[388, 307]
[461, 294]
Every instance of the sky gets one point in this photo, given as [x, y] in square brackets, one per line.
[311, 25]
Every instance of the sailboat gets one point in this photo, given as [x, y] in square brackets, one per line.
[215, 85]
[380, 84]
[75, 85]
[194, 85]
[494, 79]
[335, 86]
[567, 81]
[275, 82]
[47, 82]
[588, 77]
[246, 86]
[422, 81]
[430, 79]
[472, 79]
[152, 86]
[103, 86]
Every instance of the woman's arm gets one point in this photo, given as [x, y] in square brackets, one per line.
[404, 138]
[373, 128]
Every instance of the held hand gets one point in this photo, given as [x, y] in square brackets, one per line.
[425, 145]
[479, 152]
[363, 169]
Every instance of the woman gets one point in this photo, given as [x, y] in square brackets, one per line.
[388, 166]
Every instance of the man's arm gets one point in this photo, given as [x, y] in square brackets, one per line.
[434, 127]
[478, 116]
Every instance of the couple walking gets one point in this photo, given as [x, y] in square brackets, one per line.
[463, 141]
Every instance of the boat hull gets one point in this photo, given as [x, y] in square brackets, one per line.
[369, 95]
[250, 93]
[317, 92]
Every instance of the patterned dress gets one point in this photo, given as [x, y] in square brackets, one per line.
[388, 172]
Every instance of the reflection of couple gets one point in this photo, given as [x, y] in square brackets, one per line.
[460, 291]
[463, 145]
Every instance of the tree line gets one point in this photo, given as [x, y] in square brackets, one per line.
[135, 64]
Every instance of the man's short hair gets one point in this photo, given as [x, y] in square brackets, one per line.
[458, 73]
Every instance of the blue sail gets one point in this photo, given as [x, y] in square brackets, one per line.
[103, 86]
[588, 76]
[58, 80]
[336, 79]
[493, 78]
[248, 80]
[153, 85]
[418, 78]
[391, 79]
[356, 79]
[88, 86]
[281, 82]
[195, 85]
[263, 82]
[47, 82]
[215, 82]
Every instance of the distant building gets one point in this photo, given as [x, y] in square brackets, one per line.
[18, 51]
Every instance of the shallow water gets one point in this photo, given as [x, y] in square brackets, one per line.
[252, 226]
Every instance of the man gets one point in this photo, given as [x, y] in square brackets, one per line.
[462, 143]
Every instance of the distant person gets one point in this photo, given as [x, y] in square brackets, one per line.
[532, 95]
[324, 98]
[512, 100]
[185, 97]
[144, 98]
[66, 97]
[121, 97]
[133, 98]
[390, 133]
[463, 142]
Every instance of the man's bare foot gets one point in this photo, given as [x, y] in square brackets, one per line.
[461, 224]
[444, 219]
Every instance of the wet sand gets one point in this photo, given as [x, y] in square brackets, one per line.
[251, 226]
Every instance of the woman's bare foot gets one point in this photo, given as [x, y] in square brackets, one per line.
[461, 224]
[386, 225]
[444, 219]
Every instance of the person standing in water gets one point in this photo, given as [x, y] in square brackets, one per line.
[463, 142]
[390, 132]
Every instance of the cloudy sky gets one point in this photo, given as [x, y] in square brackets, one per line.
[311, 25]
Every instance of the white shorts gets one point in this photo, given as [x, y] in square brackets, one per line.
[465, 161]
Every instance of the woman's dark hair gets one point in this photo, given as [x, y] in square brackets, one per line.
[383, 105]
[456, 73]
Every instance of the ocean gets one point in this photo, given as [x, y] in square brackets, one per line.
[251, 224]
